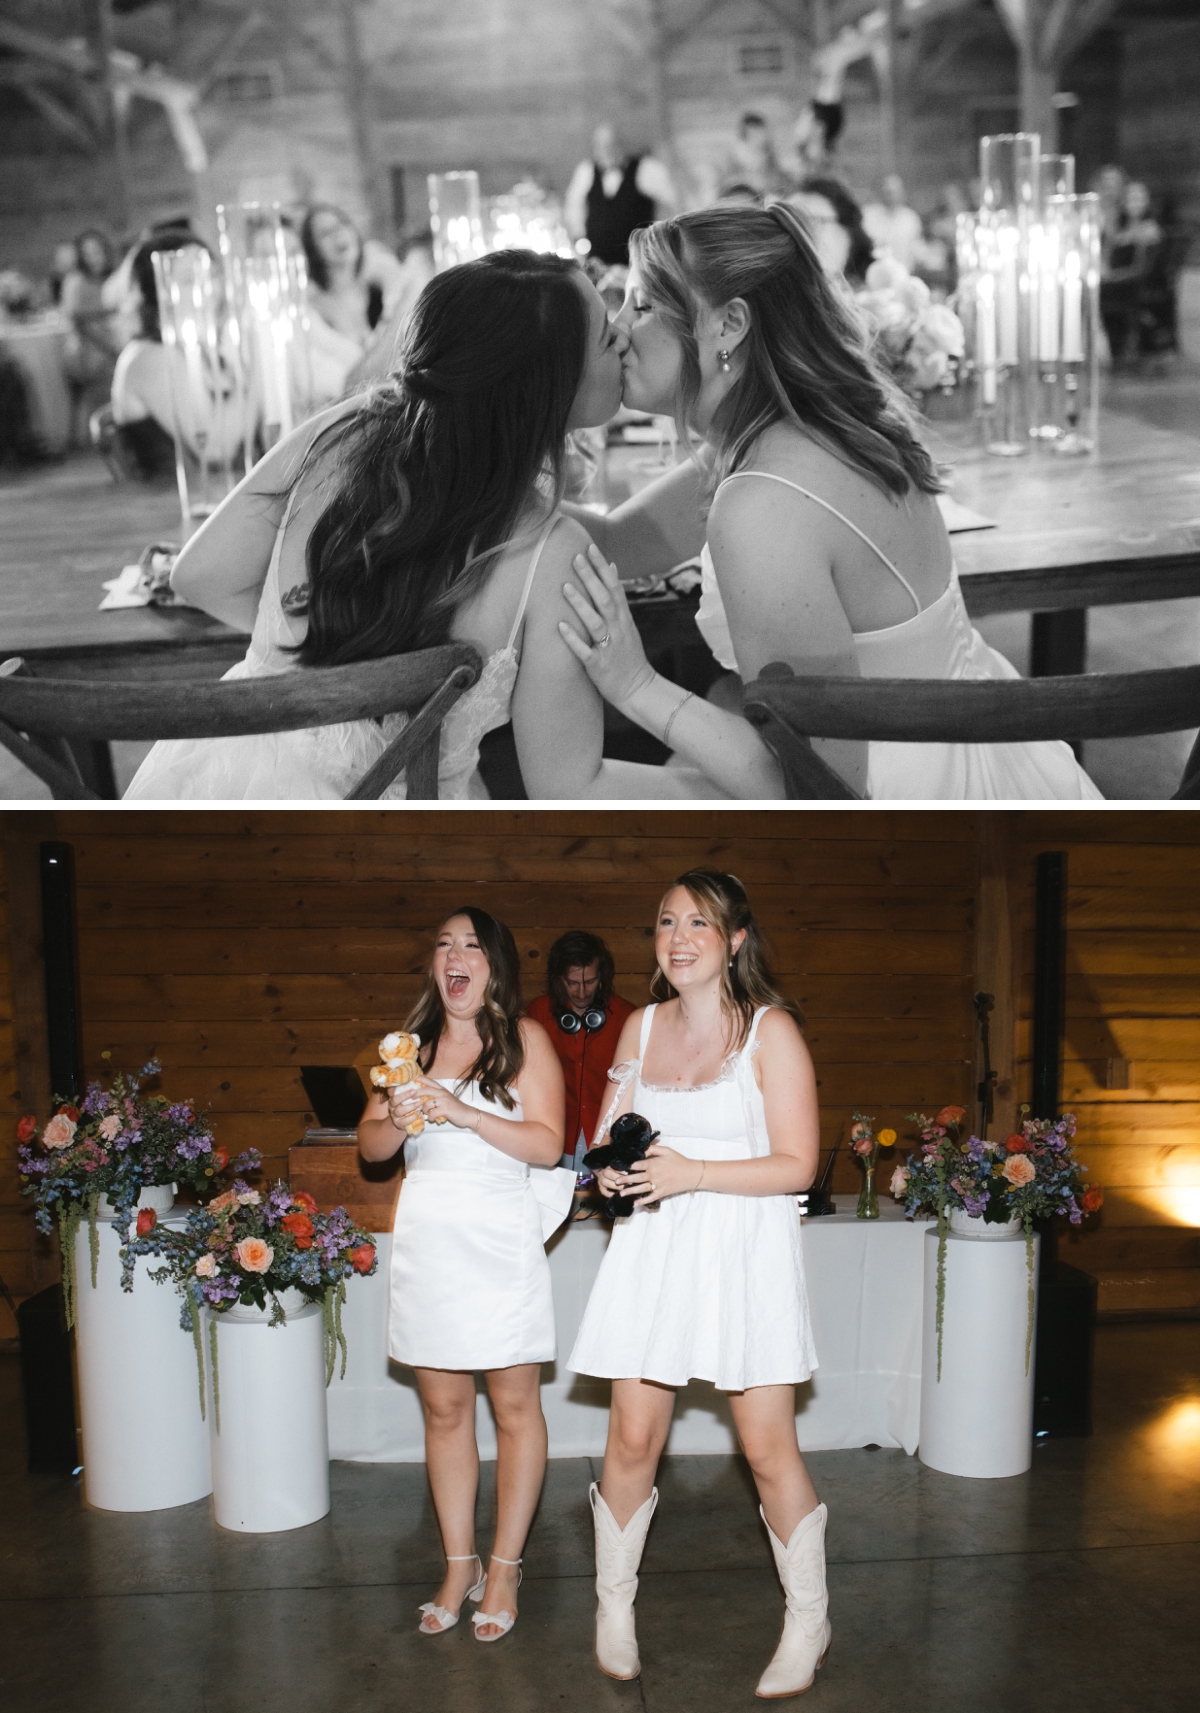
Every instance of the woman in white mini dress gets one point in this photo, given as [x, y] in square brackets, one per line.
[470, 1283]
[705, 1279]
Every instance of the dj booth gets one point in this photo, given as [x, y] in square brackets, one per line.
[865, 1289]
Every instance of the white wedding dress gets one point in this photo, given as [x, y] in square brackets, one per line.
[327, 761]
[939, 641]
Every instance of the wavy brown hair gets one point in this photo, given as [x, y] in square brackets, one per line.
[807, 360]
[746, 978]
[578, 949]
[498, 1020]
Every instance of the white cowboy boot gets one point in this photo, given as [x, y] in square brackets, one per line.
[806, 1632]
[618, 1554]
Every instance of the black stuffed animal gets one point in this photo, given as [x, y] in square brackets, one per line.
[628, 1139]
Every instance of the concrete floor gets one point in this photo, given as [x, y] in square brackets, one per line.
[1072, 1589]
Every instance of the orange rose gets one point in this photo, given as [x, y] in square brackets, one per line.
[301, 1198]
[362, 1259]
[301, 1228]
[147, 1219]
[1017, 1144]
[1018, 1170]
[71, 1112]
[220, 1159]
[951, 1115]
[1092, 1199]
[228, 1199]
[254, 1255]
[26, 1127]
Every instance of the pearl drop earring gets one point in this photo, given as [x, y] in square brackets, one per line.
[723, 362]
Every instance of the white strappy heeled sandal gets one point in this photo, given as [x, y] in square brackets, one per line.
[503, 1621]
[445, 1617]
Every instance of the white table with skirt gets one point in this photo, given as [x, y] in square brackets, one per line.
[864, 1282]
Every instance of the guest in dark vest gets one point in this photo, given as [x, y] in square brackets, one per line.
[615, 193]
[584, 1019]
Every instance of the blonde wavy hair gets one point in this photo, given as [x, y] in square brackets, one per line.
[746, 979]
[806, 357]
[498, 1021]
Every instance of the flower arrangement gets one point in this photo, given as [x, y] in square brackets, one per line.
[116, 1142]
[246, 1247]
[920, 342]
[865, 1144]
[1031, 1174]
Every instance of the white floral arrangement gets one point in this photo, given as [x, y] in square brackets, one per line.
[920, 342]
[17, 293]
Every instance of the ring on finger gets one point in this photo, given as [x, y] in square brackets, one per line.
[603, 641]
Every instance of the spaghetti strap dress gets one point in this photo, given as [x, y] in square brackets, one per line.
[319, 762]
[470, 1282]
[939, 641]
[702, 1286]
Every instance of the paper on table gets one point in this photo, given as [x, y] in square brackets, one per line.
[127, 590]
[959, 518]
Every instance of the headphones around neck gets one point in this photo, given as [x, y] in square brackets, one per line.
[571, 1023]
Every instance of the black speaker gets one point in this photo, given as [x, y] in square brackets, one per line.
[1066, 1317]
[62, 981]
[1066, 1330]
[47, 1384]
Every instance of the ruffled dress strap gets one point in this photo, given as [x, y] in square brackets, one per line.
[628, 1071]
[753, 1109]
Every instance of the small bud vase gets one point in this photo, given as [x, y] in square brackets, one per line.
[868, 1201]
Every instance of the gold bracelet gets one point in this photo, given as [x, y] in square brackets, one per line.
[700, 1179]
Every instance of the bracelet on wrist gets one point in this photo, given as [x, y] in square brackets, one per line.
[700, 1179]
[673, 715]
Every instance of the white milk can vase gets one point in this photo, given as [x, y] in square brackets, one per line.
[267, 1422]
[145, 1442]
[977, 1419]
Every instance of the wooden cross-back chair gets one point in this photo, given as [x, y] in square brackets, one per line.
[790, 711]
[49, 723]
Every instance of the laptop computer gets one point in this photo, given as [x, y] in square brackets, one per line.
[337, 1097]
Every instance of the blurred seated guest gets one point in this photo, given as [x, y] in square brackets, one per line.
[91, 342]
[1109, 185]
[613, 194]
[352, 285]
[355, 289]
[143, 402]
[939, 258]
[64, 261]
[584, 1019]
[836, 224]
[1128, 272]
[750, 161]
[894, 227]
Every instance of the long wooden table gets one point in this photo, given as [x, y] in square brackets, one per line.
[1072, 534]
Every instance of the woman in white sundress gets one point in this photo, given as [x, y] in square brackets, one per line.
[421, 512]
[813, 507]
[470, 1283]
[705, 1279]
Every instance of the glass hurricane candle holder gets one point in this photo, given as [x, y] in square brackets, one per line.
[267, 283]
[1010, 179]
[203, 377]
[1078, 222]
[456, 217]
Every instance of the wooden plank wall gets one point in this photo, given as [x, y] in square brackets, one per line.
[1131, 1055]
[14, 1234]
[239, 946]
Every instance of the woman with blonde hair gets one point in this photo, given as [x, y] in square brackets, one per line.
[470, 1284]
[813, 506]
[705, 1279]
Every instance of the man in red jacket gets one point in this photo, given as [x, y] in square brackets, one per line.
[584, 1018]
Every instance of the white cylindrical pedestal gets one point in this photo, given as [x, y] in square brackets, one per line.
[978, 1420]
[270, 1459]
[145, 1443]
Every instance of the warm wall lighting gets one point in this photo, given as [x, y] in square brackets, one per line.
[1175, 1204]
[1175, 1437]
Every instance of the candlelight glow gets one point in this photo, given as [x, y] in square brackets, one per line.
[1175, 1436]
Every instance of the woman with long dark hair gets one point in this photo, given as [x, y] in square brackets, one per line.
[470, 1284]
[705, 1279]
[813, 507]
[425, 511]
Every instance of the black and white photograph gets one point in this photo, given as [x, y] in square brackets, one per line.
[532, 400]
